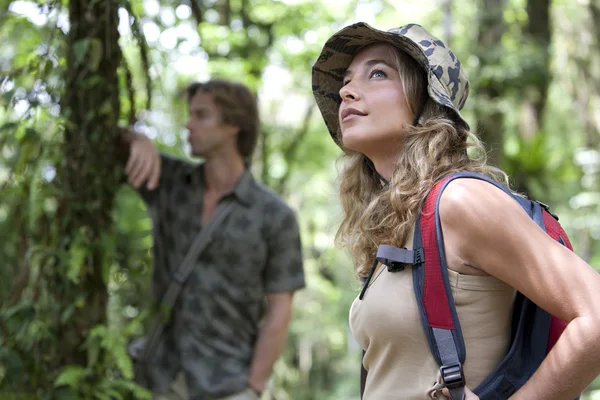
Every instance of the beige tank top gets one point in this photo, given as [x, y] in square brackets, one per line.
[387, 325]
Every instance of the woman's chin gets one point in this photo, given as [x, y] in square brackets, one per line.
[356, 143]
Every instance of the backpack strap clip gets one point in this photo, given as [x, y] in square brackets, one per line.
[547, 208]
[396, 259]
[454, 379]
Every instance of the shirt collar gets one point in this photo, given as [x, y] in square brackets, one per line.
[243, 188]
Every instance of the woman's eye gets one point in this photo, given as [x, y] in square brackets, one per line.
[344, 83]
[377, 73]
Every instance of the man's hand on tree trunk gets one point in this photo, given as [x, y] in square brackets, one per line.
[143, 164]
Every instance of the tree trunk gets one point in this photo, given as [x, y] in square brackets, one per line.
[535, 91]
[591, 81]
[448, 22]
[90, 173]
[490, 119]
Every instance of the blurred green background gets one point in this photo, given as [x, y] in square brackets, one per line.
[75, 243]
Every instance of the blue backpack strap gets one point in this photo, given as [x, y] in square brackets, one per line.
[432, 288]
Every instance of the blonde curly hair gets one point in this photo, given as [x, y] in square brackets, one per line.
[435, 147]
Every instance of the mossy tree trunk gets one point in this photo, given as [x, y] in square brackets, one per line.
[90, 172]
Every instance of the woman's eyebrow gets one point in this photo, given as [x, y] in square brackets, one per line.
[370, 63]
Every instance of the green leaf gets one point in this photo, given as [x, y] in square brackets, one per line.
[30, 134]
[9, 126]
[2, 374]
[132, 387]
[7, 97]
[96, 53]
[81, 49]
[123, 362]
[48, 68]
[93, 355]
[67, 313]
[71, 376]
[62, 394]
[76, 259]
[112, 394]
[10, 360]
[107, 396]
[16, 309]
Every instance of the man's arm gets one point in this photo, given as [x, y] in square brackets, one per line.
[143, 162]
[271, 339]
[283, 275]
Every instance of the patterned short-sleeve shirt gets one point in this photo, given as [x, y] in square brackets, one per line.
[215, 322]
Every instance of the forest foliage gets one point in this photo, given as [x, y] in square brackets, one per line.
[75, 241]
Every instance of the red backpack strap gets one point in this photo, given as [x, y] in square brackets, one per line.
[556, 232]
[437, 306]
[432, 288]
[554, 229]
[434, 296]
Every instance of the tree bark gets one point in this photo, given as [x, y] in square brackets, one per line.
[592, 81]
[448, 22]
[490, 119]
[90, 173]
[538, 34]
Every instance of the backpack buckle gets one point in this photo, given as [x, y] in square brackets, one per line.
[452, 375]
[394, 266]
[419, 257]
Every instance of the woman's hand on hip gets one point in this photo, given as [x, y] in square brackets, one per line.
[468, 394]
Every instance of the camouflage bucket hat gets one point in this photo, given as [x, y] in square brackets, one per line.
[447, 83]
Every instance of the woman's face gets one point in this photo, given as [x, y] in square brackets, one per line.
[373, 111]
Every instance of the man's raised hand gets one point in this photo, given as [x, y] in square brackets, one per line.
[143, 165]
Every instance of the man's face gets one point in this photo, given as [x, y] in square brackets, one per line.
[209, 136]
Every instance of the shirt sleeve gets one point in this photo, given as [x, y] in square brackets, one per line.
[170, 169]
[284, 270]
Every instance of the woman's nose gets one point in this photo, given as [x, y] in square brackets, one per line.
[348, 92]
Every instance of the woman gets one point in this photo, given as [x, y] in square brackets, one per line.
[391, 101]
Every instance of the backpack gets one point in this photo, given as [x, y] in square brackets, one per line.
[534, 331]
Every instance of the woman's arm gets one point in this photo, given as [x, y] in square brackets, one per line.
[486, 229]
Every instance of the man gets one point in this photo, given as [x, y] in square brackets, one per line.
[222, 338]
